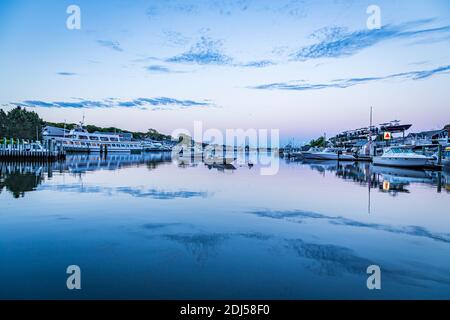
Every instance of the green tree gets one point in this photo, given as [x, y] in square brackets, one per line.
[24, 124]
[320, 142]
[3, 123]
[155, 135]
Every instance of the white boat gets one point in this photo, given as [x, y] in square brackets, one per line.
[402, 156]
[309, 153]
[446, 158]
[330, 154]
[80, 140]
[155, 146]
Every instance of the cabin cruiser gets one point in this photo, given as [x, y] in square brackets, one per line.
[309, 153]
[402, 156]
[330, 154]
[80, 140]
[446, 158]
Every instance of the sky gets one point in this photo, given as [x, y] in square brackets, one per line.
[303, 67]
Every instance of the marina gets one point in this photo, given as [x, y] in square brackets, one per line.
[141, 213]
[380, 146]
[225, 158]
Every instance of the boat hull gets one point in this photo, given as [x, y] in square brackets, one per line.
[330, 156]
[401, 162]
[76, 149]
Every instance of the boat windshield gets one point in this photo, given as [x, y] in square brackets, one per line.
[399, 150]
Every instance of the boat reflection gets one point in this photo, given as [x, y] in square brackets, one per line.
[391, 180]
[81, 163]
[19, 177]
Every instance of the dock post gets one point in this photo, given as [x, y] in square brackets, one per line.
[439, 182]
[439, 154]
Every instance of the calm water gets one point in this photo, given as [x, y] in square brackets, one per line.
[144, 226]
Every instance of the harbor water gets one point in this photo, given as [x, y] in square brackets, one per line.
[152, 227]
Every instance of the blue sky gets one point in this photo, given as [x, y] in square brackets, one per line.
[304, 67]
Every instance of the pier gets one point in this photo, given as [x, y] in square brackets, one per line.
[23, 151]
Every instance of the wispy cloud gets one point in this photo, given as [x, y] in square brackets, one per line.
[161, 69]
[335, 42]
[159, 103]
[292, 8]
[175, 38]
[114, 45]
[66, 74]
[205, 51]
[301, 85]
[257, 64]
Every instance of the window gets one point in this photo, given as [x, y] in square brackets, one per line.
[104, 138]
[82, 137]
[114, 139]
[94, 138]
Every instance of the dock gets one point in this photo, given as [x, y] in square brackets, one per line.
[21, 151]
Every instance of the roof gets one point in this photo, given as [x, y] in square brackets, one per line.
[429, 134]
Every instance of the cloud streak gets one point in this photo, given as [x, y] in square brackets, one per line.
[301, 85]
[159, 103]
[336, 42]
[205, 51]
[66, 74]
[161, 69]
[114, 45]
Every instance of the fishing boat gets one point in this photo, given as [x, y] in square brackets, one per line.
[403, 156]
[80, 140]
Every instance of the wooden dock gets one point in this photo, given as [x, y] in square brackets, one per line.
[41, 156]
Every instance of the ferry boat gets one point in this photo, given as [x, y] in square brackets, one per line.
[80, 140]
[403, 156]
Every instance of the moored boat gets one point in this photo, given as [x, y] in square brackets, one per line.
[402, 156]
[331, 154]
[446, 158]
[80, 140]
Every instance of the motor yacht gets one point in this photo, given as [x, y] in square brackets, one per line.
[402, 156]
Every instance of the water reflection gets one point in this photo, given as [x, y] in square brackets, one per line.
[386, 179]
[299, 216]
[20, 178]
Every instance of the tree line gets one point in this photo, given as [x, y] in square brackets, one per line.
[20, 123]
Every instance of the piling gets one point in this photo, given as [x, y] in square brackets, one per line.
[439, 160]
